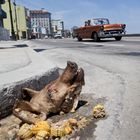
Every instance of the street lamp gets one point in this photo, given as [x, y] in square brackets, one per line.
[12, 27]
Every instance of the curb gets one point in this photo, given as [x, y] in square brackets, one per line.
[9, 93]
[36, 76]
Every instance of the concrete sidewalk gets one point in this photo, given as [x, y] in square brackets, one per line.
[18, 62]
[21, 66]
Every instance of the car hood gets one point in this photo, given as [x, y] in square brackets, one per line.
[113, 26]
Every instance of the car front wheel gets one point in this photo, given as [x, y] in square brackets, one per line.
[79, 38]
[118, 38]
[95, 37]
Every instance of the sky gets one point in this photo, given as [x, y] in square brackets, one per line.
[76, 12]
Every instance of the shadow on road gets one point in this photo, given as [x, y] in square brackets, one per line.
[129, 53]
[107, 40]
[39, 50]
[21, 46]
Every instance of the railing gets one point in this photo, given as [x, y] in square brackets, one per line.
[4, 34]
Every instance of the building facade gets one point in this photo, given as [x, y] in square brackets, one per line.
[41, 23]
[20, 20]
[4, 34]
[2, 13]
[57, 27]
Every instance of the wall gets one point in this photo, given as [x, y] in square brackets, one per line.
[4, 34]
[40, 19]
[21, 19]
[57, 26]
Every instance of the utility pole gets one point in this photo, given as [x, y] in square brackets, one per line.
[17, 35]
[62, 24]
[12, 27]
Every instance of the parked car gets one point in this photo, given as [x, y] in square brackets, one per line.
[58, 36]
[46, 37]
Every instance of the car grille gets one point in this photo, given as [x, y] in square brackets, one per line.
[113, 31]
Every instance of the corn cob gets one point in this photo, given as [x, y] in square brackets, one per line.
[42, 125]
[42, 135]
[57, 132]
[25, 131]
[68, 130]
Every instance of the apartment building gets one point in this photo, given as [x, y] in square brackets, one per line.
[4, 34]
[20, 18]
[40, 23]
[57, 27]
[2, 13]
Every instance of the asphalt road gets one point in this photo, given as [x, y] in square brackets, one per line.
[112, 72]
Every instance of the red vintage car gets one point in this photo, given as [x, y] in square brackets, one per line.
[99, 28]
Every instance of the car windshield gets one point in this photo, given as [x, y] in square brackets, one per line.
[100, 21]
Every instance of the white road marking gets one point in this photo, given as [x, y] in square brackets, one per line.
[103, 44]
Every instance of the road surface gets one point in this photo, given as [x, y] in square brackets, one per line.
[112, 72]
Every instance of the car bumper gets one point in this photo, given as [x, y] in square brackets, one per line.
[109, 34]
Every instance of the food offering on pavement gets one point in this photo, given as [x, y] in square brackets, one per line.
[67, 126]
[99, 111]
[44, 130]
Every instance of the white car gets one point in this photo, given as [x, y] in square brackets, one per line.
[58, 36]
[46, 37]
